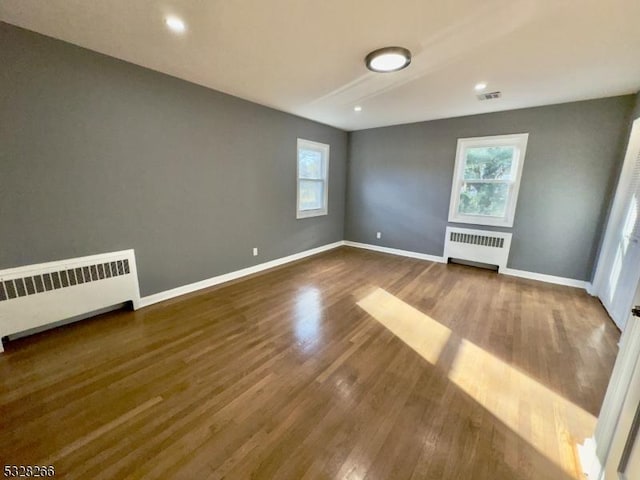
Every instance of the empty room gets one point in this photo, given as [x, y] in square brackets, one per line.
[287, 239]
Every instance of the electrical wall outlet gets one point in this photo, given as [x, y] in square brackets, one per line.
[378, 234]
[255, 251]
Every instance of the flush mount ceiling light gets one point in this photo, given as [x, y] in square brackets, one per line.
[388, 59]
[357, 108]
[480, 86]
[175, 24]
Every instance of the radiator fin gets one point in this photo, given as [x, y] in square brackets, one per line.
[35, 284]
[483, 240]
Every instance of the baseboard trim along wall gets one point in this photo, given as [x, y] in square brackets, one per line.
[226, 277]
[569, 282]
[589, 461]
[395, 251]
[210, 282]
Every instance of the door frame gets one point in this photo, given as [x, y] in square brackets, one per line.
[594, 453]
[625, 435]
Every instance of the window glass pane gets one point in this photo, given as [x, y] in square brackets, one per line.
[488, 163]
[311, 194]
[489, 199]
[309, 163]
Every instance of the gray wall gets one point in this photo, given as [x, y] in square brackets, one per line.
[399, 182]
[636, 111]
[99, 155]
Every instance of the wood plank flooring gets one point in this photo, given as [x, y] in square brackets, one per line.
[296, 374]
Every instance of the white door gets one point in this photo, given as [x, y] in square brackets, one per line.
[618, 269]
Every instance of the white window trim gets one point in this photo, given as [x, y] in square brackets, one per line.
[326, 149]
[517, 140]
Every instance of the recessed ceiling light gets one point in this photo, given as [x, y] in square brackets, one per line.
[480, 86]
[388, 59]
[357, 108]
[175, 24]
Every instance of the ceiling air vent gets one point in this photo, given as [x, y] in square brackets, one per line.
[489, 96]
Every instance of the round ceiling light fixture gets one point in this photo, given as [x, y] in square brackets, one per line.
[175, 24]
[388, 59]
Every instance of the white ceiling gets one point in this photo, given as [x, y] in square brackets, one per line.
[307, 56]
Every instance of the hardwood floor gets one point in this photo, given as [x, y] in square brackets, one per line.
[296, 374]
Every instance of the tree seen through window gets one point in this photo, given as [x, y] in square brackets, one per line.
[487, 179]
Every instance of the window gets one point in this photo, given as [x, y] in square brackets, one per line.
[313, 187]
[486, 179]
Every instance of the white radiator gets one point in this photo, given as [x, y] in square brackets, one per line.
[481, 246]
[37, 295]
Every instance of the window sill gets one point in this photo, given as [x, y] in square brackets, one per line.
[484, 221]
[310, 213]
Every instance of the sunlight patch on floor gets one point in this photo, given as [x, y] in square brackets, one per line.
[547, 421]
[419, 331]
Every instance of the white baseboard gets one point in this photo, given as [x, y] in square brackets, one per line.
[210, 282]
[569, 282]
[395, 251]
[589, 460]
